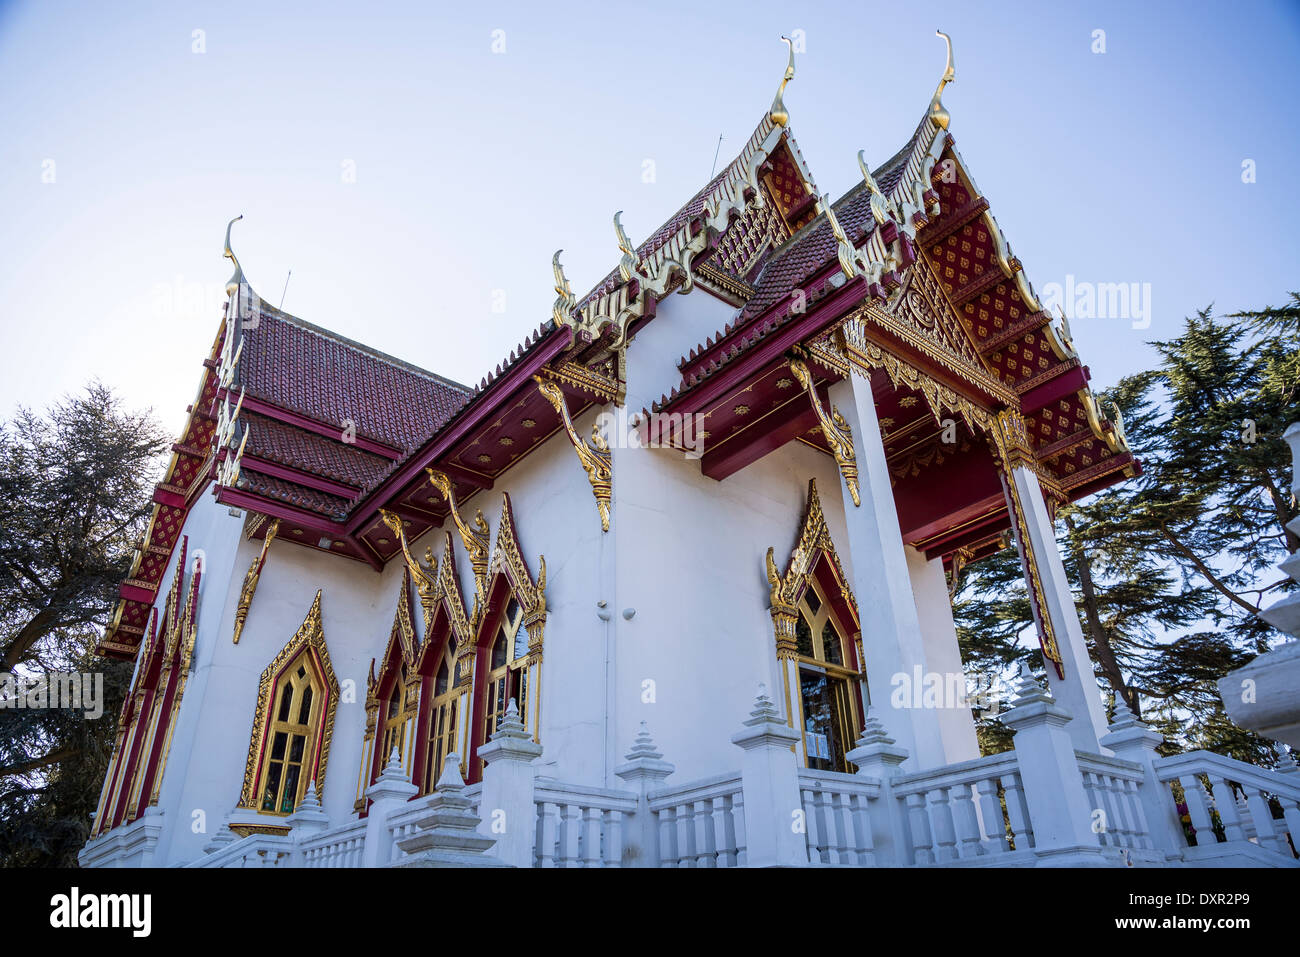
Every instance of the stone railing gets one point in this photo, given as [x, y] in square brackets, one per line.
[701, 824]
[837, 817]
[1242, 797]
[975, 809]
[337, 847]
[1114, 793]
[579, 826]
[256, 850]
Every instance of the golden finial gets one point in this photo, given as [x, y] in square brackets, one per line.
[233, 283]
[627, 265]
[879, 205]
[566, 301]
[780, 116]
[938, 115]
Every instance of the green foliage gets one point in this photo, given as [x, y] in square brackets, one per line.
[76, 484]
[1170, 568]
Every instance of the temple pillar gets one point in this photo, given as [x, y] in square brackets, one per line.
[1070, 675]
[891, 630]
[942, 655]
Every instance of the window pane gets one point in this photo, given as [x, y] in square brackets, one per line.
[286, 700]
[304, 713]
[814, 603]
[803, 637]
[296, 749]
[440, 683]
[832, 647]
[272, 786]
[499, 649]
[512, 610]
[521, 643]
[290, 789]
[817, 719]
[277, 746]
[395, 701]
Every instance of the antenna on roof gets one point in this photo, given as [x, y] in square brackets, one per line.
[286, 288]
[715, 157]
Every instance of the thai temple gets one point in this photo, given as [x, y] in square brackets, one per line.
[646, 595]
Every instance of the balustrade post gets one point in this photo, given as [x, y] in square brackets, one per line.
[1131, 740]
[878, 756]
[307, 820]
[645, 770]
[506, 803]
[389, 794]
[770, 782]
[1059, 811]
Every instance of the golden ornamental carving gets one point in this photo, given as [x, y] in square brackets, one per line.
[882, 210]
[778, 113]
[565, 301]
[848, 256]
[785, 590]
[310, 635]
[938, 115]
[595, 457]
[1010, 438]
[508, 560]
[865, 354]
[425, 576]
[253, 576]
[474, 539]
[835, 430]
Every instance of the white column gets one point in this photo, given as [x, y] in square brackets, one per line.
[891, 631]
[1077, 693]
[943, 656]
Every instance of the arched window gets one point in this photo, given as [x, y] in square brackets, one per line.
[296, 701]
[508, 668]
[291, 733]
[442, 716]
[817, 647]
[827, 689]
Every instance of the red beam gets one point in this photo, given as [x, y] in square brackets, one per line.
[299, 477]
[766, 435]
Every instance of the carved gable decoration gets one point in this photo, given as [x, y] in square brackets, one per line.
[923, 307]
[508, 561]
[401, 648]
[812, 548]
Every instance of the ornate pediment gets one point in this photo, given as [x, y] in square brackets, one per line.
[922, 306]
[508, 560]
[813, 546]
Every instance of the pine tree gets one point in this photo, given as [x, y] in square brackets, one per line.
[77, 485]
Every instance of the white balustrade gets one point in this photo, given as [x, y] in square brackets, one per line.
[579, 826]
[1242, 796]
[964, 811]
[837, 814]
[700, 824]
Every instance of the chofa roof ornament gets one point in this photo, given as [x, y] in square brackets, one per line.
[565, 301]
[938, 115]
[780, 116]
[232, 284]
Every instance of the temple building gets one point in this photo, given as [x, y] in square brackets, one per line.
[645, 594]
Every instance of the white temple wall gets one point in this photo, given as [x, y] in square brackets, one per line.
[942, 656]
[690, 564]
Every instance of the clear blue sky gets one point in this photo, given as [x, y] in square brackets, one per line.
[472, 167]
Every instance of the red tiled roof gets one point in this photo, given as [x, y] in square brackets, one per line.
[308, 370]
[298, 448]
[290, 493]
